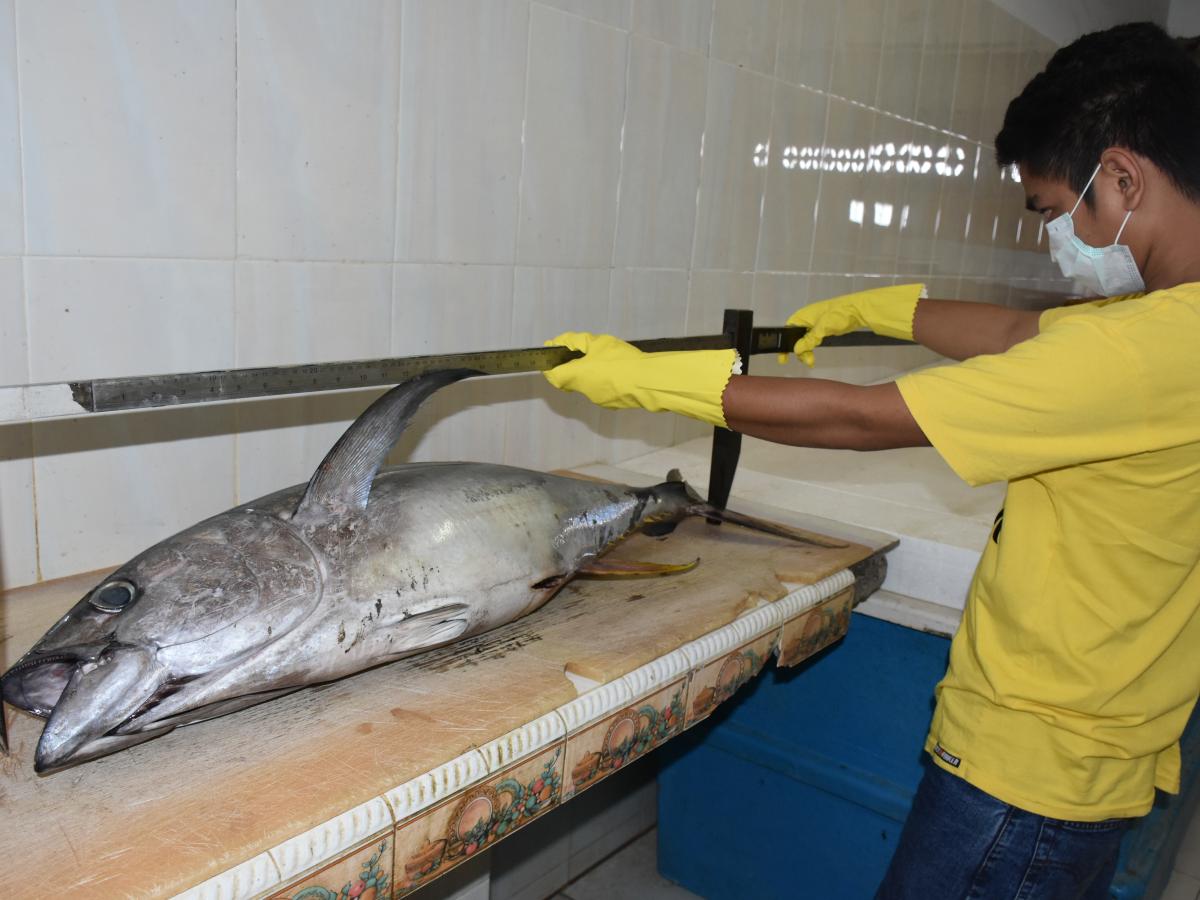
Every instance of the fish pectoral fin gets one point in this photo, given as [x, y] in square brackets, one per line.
[433, 626]
[611, 568]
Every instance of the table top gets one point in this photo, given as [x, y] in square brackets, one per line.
[161, 817]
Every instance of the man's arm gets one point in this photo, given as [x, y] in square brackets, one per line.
[961, 329]
[812, 412]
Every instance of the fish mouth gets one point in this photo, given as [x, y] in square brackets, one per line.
[36, 682]
[91, 700]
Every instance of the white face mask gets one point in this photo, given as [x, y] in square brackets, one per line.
[1105, 271]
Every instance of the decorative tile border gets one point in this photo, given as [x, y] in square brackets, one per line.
[328, 840]
[462, 826]
[522, 741]
[421, 792]
[656, 698]
[365, 874]
[591, 706]
[815, 629]
[249, 879]
[718, 681]
[628, 734]
[656, 673]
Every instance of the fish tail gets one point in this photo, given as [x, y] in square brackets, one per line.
[677, 495]
[713, 514]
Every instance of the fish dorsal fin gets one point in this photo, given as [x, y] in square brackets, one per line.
[342, 482]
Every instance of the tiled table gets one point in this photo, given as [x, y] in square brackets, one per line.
[377, 784]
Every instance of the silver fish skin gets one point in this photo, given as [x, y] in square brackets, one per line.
[314, 583]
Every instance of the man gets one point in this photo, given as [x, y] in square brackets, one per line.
[1076, 665]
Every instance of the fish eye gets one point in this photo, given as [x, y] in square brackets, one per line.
[113, 596]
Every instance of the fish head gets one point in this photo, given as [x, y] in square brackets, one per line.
[191, 606]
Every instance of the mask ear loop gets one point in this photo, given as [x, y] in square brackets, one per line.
[1124, 221]
[1095, 172]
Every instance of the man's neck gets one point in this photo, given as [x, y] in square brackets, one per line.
[1175, 257]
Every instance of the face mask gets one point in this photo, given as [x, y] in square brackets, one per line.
[1104, 271]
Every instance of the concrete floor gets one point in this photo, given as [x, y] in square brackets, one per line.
[629, 874]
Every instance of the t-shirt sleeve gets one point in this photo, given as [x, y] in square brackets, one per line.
[1087, 388]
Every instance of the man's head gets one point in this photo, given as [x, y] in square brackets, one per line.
[1126, 99]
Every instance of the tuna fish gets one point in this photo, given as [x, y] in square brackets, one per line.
[315, 582]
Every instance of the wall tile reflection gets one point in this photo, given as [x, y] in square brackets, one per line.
[974, 44]
[793, 182]
[939, 63]
[901, 55]
[660, 160]
[737, 152]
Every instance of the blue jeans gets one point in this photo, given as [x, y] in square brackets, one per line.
[960, 843]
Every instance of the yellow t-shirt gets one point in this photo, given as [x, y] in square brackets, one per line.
[1077, 662]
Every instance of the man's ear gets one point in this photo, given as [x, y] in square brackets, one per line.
[1126, 175]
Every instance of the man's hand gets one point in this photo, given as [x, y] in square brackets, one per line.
[887, 311]
[617, 375]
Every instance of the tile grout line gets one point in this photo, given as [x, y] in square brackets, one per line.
[237, 300]
[612, 256]
[26, 306]
[393, 300]
[518, 208]
[762, 194]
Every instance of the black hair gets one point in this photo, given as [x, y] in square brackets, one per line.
[1131, 86]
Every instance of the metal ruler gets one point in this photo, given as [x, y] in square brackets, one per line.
[23, 403]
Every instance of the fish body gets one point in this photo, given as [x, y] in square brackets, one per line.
[312, 583]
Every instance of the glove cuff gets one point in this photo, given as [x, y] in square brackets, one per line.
[691, 383]
[896, 309]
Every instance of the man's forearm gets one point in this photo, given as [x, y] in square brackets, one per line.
[812, 412]
[960, 329]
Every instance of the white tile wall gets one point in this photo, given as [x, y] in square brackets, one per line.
[443, 309]
[127, 124]
[190, 186]
[643, 303]
[736, 154]
[12, 224]
[660, 162]
[318, 92]
[462, 103]
[683, 23]
[746, 33]
[291, 313]
[575, 105]
[560, 429]
[110, 486]
[807, 43]
[790, 198]
[611, 12]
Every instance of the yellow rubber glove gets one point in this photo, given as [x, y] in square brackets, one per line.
[888, 311]
[618, 375]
